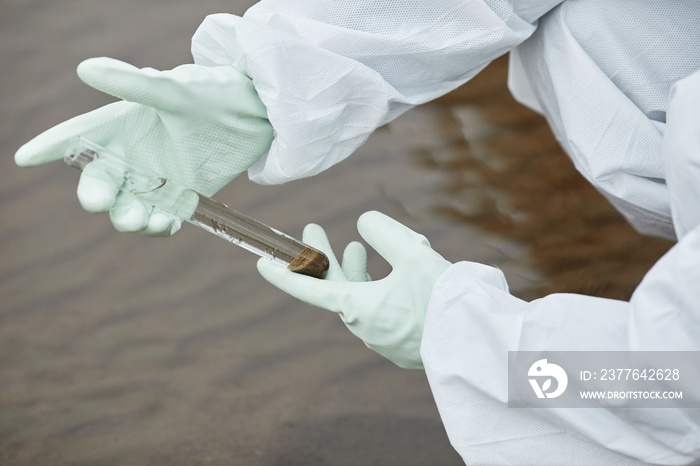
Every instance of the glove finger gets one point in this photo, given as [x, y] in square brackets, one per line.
[389, 238]
[99, 126]
[185, 88]
[161, 224]
[129, 214]
[315, 236]
[355, 262]
[146, 86]
[98, 187]
[326, 294]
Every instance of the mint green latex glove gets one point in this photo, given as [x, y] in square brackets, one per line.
[386, 314]
[197, 126]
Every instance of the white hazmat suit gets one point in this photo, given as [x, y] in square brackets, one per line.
[619, 84]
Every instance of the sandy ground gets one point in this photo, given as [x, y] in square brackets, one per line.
[122, 349]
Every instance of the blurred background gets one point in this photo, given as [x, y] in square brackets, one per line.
[123, 349]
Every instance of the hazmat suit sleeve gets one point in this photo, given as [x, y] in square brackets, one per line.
[473, 321]
[602, 80]
[331, 72]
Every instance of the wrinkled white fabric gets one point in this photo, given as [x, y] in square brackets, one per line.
[473, 321]
[602, 74]
[330, 72]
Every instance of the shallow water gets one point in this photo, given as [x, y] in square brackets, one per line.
[122, 349]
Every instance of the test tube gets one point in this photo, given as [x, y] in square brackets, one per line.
[202, 211]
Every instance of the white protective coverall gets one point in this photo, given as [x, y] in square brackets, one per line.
[602, 72]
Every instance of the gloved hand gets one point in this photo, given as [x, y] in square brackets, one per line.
[386, 314]
[197, 126]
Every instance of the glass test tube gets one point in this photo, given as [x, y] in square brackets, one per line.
[202, 211]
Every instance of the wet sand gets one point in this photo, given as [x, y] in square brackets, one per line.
[122, 349]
